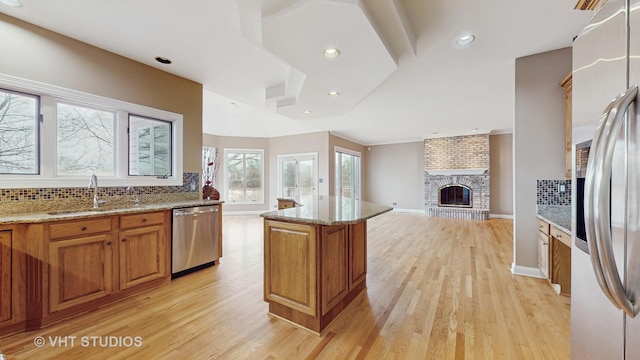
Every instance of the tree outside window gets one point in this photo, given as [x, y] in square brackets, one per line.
[245, 176]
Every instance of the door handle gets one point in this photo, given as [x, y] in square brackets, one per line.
[590, 215]
[600, 192]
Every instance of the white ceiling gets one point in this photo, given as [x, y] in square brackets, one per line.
[401, 77]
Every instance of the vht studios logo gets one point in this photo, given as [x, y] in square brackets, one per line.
[89, 341]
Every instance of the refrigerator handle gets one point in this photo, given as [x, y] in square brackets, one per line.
[602, 200]
[590, 203]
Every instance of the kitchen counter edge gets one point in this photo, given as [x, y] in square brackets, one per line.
[81, 214]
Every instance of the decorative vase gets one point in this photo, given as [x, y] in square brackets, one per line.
[210, 193]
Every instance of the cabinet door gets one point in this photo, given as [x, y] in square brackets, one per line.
[79, 270]
[290, 257]
[543, 254]
[5, 275]
[357, 254]
[142, 255]
[334, 249]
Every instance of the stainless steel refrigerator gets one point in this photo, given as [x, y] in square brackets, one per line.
[605, 269]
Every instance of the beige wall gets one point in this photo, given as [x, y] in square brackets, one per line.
[395, 174]
[35, 54]
[538, 142]
[350, 145]
[501, 160]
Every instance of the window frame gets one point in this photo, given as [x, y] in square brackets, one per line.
[37, 132]
[47, 177]
[357, 182]
[227, 173]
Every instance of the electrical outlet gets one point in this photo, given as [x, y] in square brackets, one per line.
[394, 204]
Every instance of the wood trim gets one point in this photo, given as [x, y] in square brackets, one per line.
[589, 4]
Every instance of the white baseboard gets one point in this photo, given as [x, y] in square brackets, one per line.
[415, 211]
[500, 216]
[527, 271]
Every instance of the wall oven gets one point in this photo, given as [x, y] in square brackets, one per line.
[582, 155]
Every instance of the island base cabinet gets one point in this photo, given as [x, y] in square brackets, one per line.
[312, 272]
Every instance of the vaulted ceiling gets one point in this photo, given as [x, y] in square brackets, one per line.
[400, 75]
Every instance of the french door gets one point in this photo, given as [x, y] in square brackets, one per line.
[297, 177]
[347, 169]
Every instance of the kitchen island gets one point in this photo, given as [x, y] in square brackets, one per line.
[315, 259]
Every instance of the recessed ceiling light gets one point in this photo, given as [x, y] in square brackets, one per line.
[331, 53]
[307, 112]
[334, 93]
[435, 133]
[160, 59]
[465, 40]
[474, 129]
[14, 3]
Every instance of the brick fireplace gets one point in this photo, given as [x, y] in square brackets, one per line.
[459, 166]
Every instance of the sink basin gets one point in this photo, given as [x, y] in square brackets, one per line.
[63, 212]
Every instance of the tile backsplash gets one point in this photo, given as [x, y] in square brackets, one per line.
[547, 192]
[47, 199]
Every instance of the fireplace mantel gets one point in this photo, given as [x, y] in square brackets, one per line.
[449, 172]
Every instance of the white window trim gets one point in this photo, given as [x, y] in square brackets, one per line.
[303, 156]
[49, 94]
[338, 170]
[226, 177]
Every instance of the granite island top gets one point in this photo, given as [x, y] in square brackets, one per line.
[329, 210]
[59, 215]
[557, 215]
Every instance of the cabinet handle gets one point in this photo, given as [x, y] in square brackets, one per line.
[83, 228]
[108, 242]
[144, 220]
[124, 239]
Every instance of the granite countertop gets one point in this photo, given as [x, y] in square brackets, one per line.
[329, 210]
[557, 215]
[60, 215]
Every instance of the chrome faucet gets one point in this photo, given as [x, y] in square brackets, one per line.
[93, 182]
[136, 199]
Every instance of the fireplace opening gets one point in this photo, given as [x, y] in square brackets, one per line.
[455, 195]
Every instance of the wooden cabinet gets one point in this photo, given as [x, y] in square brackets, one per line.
[80, 270]
[142, 249]
[91, 259]
[335, 266]
[567, 85]
[561, 260]
[311, 271]
[543, 248]
[5, 276]
[290, 255]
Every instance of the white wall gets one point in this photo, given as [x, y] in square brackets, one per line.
[538, 143]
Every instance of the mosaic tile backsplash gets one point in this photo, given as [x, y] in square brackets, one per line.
[48, 199]
[547, 192]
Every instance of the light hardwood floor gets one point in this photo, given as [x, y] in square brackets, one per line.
[436, 289]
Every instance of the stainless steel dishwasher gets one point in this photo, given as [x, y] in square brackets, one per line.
[194, 240]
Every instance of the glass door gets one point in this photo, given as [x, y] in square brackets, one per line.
[347, 173]
[298, 177]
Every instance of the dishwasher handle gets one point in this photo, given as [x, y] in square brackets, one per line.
[188, 212]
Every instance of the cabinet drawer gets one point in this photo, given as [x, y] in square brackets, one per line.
[543, 226]
[561, 235]
[137, 220]
[79, 227]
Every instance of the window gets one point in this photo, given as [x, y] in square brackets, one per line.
[19, 133]
[85, 140]
[149, 146]
[55, 137]
[244, 176]
[347, 168]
